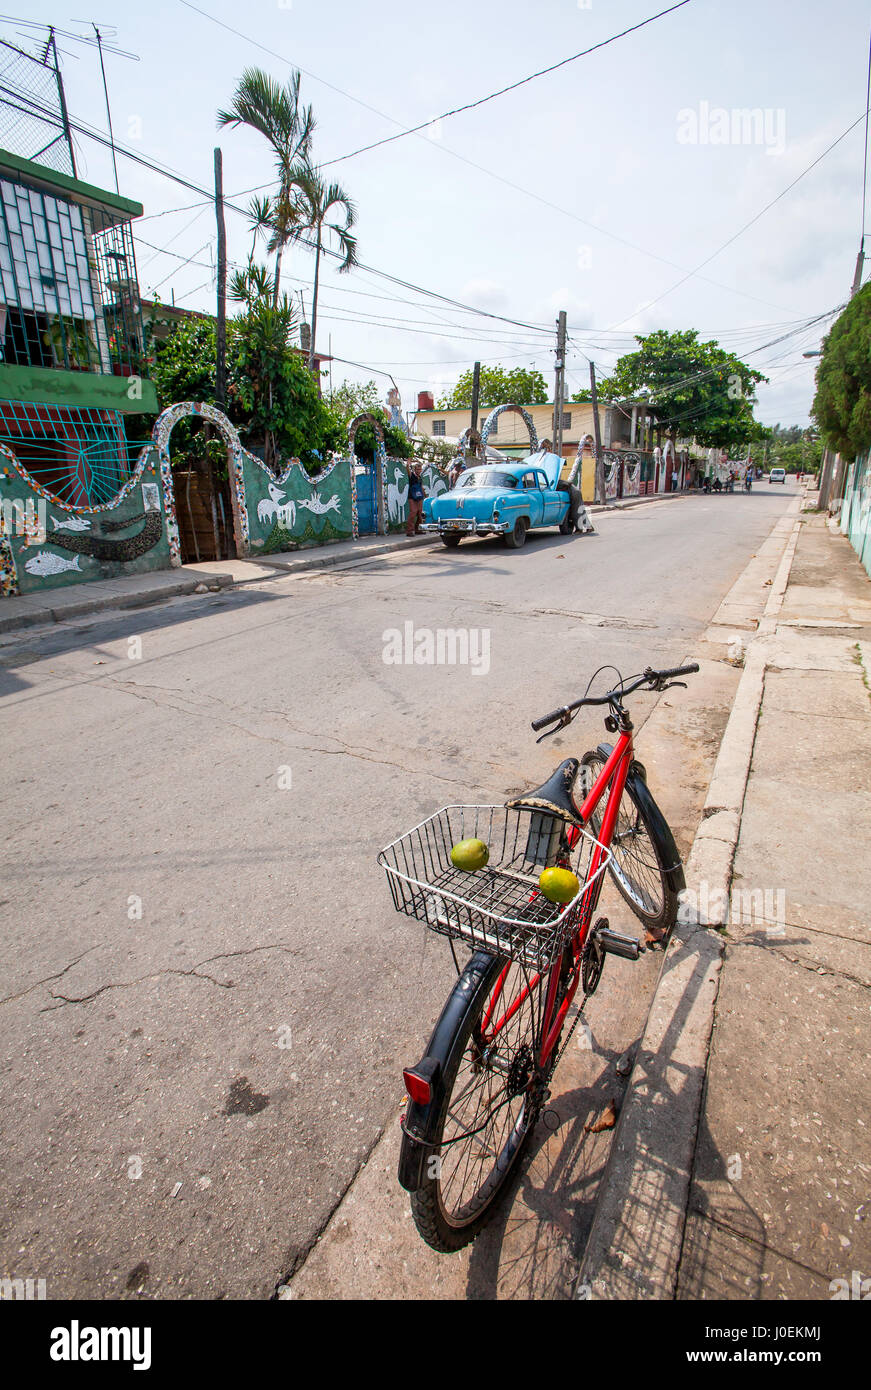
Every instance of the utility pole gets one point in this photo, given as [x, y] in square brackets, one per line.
[476, 391]
[600, 462]
[221, 333]
[559, 383]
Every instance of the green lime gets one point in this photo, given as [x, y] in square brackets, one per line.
[559, 885]
[470, 855]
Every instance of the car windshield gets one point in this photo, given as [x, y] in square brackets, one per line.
[487, 477]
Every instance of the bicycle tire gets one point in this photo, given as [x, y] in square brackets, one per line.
[639, 864]
[443, 1220]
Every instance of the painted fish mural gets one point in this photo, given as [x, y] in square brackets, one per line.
[46, 562]
[314, 504]
[72, 523]
[103, 548]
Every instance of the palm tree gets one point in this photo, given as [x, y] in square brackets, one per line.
[264, 105]
[314, 201]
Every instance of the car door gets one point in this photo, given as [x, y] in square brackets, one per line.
[533, 497]
[551, 499]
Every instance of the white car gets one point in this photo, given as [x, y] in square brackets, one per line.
[777, 475]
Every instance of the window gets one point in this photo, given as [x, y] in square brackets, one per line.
[494, 428]
[567, 420]
[487, 477]
[438, 426]
[529, 481]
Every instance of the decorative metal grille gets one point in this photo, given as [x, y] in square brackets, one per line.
[81, 456]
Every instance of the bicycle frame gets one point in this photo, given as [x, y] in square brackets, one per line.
[614, 772]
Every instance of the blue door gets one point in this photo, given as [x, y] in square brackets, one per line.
[366, 510]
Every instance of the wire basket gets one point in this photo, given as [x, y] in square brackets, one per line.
[498, 908]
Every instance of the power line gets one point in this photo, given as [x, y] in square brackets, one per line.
[512, 87]
[753, 220]
[454, 154]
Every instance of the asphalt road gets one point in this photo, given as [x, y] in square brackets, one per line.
[207, 998]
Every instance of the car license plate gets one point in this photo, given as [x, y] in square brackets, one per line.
[457, 525]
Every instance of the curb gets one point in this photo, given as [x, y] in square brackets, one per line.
[636, 1238]
[142, 598]
[324, 561]
[135, 599]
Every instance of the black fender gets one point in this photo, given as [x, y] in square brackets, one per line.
[420, 1121]
[659, 828]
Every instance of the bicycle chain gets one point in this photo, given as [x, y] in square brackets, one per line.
[578, 1016]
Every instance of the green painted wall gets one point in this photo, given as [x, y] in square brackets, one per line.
[81, 390]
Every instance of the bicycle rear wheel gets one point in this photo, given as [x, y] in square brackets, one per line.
[493, 1097]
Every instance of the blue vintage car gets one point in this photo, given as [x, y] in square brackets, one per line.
[504, 498]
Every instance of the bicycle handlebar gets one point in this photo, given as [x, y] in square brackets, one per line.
[655, 679]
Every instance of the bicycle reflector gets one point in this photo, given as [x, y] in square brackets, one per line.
[420, 1080]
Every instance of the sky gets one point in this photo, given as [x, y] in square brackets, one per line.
[608, 188]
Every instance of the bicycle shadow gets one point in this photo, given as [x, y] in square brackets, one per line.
[533, 1247]
[709, 1240]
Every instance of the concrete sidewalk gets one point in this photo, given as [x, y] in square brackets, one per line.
[741, 1165]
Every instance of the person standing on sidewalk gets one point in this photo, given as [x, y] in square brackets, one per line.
[416, 494]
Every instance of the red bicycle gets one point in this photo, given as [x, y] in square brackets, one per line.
[477, 1093]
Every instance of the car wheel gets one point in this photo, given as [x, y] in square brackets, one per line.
[516, 538]
[451, 541]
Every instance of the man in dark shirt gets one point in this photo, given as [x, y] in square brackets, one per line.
[416, 495]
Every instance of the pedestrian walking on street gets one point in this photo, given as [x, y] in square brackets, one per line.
[416, 494]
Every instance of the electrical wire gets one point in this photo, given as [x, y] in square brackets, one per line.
[512, 87]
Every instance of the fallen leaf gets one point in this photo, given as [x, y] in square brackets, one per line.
[653, 938]
[607, 1120]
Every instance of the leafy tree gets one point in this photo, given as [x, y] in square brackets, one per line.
[429, 450]
[499, 386]
[352, 398]
[314, 202]
[842, 404]
[272, 398]
[273, 110]
[692, 388]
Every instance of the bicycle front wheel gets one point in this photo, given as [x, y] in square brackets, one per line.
[638, 864]
[493, 1096]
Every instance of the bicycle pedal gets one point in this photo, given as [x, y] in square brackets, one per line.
[616, 944]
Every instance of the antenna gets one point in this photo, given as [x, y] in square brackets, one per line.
[99, 38]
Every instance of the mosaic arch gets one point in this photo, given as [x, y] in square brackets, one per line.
[270, 512]
[500, 410]
[365, 418]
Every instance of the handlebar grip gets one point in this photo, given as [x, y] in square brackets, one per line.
[548, 719]
[678, 671]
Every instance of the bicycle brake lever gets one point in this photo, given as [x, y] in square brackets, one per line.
[565, 720]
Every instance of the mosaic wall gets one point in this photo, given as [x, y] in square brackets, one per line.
[46, 544]
[269, 513]
[434, 483]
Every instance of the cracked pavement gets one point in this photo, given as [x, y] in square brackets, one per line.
[192, 909]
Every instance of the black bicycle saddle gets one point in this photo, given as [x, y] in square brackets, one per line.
[553, 797]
